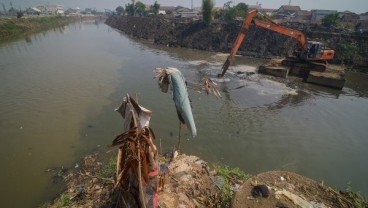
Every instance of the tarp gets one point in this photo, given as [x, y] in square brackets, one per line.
[181, 98]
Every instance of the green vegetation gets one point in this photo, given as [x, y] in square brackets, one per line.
[140, 8]
[230, 176]
[355, 197]
[155, 8]
[133, 8]
[231, 12]
[207, 10]
[12, 28]
[346, 52]
[349, 49]
[110, 169]
[62, 201]
[331, 20]
[20, 14]
[120, 10]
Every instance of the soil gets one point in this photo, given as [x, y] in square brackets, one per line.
[191, 183]
[312, 193]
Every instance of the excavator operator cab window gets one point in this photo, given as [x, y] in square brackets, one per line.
[312, 50]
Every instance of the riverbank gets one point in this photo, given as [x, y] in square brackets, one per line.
[192, 182]
[219, 36]
[11, 28]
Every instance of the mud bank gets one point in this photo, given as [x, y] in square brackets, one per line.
[191, 182]
[14, 28]
[219, 36]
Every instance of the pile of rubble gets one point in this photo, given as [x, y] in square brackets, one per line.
[189, 182]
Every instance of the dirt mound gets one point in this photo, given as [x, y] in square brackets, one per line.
[288, 189]
[189, 184]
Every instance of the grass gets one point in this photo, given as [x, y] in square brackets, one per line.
[109, 169]
[62, 201]
[355, 197]
[230, 175]
[12, 28]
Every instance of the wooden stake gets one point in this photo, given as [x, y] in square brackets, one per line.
[178, 146]
[141, 195]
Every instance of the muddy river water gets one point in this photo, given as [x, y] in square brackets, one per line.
[58, 90]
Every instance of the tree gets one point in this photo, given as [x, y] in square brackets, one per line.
[231, 12]
[346, 52]
[228, 12]
[120, 10]
[155, 8]
[129, 8]
[207, 11]
[140, 8]
[332, 19]
[241, 10]
[20, 14]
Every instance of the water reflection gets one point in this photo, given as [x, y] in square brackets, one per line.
[290, 101]
[28, 39]
[356, 84]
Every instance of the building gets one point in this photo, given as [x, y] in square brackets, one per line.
[33, 11]
[349, 17]
[364, 17]
[73, 12]
[257, 7]
[51, 9]
[268, 12]
[303, 16]
[161, 12]
[186, 13]
[318, 15]
[287, 12]
[288, 9]
[168, 8]
[362, 25]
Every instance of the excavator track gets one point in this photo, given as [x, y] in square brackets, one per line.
[318, 66]
[310, 65]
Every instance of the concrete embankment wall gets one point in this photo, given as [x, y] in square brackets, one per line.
[219, 37]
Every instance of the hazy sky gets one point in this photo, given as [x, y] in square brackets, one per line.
[358, 6]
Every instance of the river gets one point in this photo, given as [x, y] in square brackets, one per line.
[59, 89]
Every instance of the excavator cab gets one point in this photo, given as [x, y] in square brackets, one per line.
[318, 51]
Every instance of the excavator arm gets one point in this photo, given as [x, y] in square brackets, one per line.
[267, 24]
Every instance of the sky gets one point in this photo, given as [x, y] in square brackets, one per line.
[357, 6]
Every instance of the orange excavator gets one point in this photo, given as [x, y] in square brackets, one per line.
[312, 54]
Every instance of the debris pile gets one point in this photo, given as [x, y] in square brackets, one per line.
[287, 189]
[136, 161]
[86, 186]
[189, 184]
